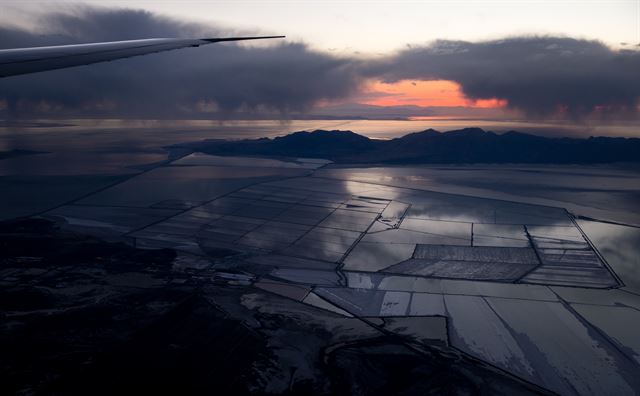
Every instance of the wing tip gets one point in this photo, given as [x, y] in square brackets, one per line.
[220, 39]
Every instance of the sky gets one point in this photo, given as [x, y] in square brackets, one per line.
[524, 59]
[377, 27]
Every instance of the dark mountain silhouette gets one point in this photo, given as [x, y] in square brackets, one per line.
[469, 145]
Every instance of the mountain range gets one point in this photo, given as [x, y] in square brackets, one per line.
[468, 145]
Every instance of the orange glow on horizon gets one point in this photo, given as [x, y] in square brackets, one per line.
[489, 103]
[440, 93]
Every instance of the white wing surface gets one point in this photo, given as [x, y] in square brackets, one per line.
[30, 60]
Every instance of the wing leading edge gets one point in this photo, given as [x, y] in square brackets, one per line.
[31, 60]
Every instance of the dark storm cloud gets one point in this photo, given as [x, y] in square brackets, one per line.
[285, 77]
[538, 75]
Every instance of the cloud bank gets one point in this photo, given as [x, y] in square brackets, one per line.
[539, 76]
[288, 77]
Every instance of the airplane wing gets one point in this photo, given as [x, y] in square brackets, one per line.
[30, 60]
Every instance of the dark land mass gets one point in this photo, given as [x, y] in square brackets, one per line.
[469, 145]
[83, 316]
[17, 153]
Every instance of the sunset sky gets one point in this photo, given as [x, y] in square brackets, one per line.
[422, 93]
[533, 58]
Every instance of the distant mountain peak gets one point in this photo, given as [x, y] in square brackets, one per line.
[325, 135]
[521, 135]
[420, 135]
[469, 132]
